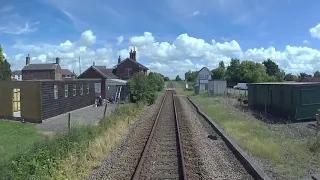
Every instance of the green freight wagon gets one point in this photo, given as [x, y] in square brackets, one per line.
[295, 101]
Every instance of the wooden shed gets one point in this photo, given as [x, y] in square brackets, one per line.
[294, 101]
[35, 101]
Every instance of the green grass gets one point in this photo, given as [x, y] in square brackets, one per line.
[288, 158]
[71, 156]
[15, 137]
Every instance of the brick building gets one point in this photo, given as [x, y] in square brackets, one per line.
[45, 71]
[67, 74]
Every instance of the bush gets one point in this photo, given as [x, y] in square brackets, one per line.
[141, 89]
[204, 94]
[156, 81]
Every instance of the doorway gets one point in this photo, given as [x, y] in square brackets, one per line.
[16, 103]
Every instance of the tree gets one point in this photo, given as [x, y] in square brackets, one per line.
[5, 67]
[178, 78]
[252, 72]
[271, 67]
[141, 89]
[220, 72]
[303, 75]
[190, 76]
[291, 77]
[166, 79]
[316, 74]
[156, 80]
[233, 71]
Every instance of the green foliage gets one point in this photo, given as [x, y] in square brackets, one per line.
[252, 72]
[166, 79]
[303, 75]
[5, 67]
[178, 78]
[220, 72]
[204, 94]
[291, 77]
[46, 156]
[233, 71]
[156, 81]
[316, 74]
[141, 89]
[190, 76]
[271, 67]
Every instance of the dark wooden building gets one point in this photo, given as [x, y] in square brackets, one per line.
[45, 71]
[35, 101]
[67, 74]
[99, 72]
[128, 67]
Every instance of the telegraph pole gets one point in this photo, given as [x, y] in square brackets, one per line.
[79, 67]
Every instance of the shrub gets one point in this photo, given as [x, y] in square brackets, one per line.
[141, 89]
[156, 81]
[204, 94]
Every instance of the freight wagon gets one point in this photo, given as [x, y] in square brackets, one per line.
[294, 101]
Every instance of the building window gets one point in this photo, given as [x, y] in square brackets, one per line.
[81, 89]
[87, 88]
[128, 72]
[55, 91]
[74, 90]
[66, 91]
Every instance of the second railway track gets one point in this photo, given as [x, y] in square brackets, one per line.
[162, 157]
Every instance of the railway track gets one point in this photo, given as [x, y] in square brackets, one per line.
[162, 156]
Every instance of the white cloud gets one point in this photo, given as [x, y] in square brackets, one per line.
[315, 31]
[195, 13]
[305, 42]
[119, 40]
[87, 38]
[169, 58]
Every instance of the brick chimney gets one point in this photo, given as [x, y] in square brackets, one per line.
[134, 53]
[57, 60]
[28, 60]
[93, 64]
[119, 60]
[130, 53]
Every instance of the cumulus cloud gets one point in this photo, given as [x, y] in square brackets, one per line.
[305, 42]
[169, 58]
[315, 31]
[119, 40]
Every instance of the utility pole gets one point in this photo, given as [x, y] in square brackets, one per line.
[79, 67]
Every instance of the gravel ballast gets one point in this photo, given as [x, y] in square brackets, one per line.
[216, 160]
[120, 162]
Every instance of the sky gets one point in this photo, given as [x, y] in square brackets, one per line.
[170, 36]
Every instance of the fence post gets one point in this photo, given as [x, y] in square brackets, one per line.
[105, 109]
[69, 122]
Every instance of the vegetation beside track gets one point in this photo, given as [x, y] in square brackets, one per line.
[290, 151]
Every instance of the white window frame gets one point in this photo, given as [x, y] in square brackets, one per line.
[81, 89]
[66, 90]
[74, 90]
[55, 92]
[128, 72]
[88, 86]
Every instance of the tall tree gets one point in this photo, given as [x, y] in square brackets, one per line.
[5, 69]
[219, 72]
[271, 67]
[178, 78]
[252, 72]
[303, 75]
[316, 74]
[291, 77]
[233, 71]
[190, 76]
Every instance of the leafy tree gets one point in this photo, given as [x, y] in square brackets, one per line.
[271, 67]
[233, 71]
[220, 72]
[303, 75]
[316, 74]
[178, 78]
[166, 79]
[156, 80]
[141, 89]
[190, 76]
[252, 72]
[5, 67]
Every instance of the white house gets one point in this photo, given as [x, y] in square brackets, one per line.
[16, 75]
[203, 78]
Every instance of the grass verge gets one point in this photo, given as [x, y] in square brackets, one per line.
[16, 136]
[288, 157]
[72, 156]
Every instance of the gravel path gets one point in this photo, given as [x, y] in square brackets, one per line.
[216, 160]
[121, 162]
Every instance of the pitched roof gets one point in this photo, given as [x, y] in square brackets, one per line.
[47, 66]
[310, 79]
[203, 69]
[106, 73]
[140, 65]
[18, 72]
[66, 72]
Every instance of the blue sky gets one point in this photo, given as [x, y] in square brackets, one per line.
[250, 23]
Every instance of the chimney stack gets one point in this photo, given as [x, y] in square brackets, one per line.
[134, 53]
[57, 60]
[130, 53]
[28, 60]
[93, 64]
[119, 59]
